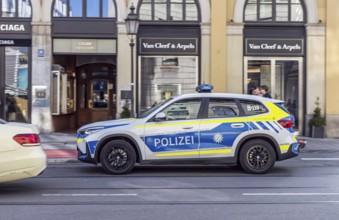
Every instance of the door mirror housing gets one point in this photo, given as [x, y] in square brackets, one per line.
[160, 117]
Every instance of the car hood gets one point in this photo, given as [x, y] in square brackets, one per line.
[110, 123]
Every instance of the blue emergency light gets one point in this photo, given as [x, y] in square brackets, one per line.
[204, 88]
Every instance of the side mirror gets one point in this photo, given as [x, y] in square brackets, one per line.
[160, 117]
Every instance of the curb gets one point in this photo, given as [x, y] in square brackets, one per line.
[62, 160]
[61, 156]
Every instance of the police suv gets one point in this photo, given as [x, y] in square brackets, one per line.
[251, 131]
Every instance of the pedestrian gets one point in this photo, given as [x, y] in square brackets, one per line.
[254, 91]
[264, 91]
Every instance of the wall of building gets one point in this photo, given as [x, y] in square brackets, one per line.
[221, 54]
[218, 45]
[332, 72]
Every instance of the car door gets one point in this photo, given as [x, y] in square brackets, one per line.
[222, 126]
[176, 135]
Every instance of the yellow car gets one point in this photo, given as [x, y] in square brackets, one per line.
[21, 155]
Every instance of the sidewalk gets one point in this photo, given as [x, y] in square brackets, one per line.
[61, 147]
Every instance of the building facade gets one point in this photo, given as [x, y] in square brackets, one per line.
[66, 63]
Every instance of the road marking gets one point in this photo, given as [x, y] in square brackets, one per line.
[290, 194]
[319, 158]
[89, 194]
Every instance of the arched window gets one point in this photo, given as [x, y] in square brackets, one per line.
[84, 8]
[16, 8]
[279, 11]
[169, 10]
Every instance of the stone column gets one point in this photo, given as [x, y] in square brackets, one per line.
[205, 53]
[235, 59]
[315, 70]
[41, 75]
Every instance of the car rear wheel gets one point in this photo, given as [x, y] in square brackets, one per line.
[257, 157]
[118, 157]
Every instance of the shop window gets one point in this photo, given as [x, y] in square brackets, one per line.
[274, 11]
[164, 77]
[16, 84]
[85, 8]
[16, 8]
[63, 91]
[169, 10]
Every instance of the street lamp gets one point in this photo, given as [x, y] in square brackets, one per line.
[132, 26]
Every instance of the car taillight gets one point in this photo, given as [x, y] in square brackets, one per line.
[286, 123]
[27, 139]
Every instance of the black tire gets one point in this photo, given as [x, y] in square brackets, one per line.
[257, 157]
[118, 157]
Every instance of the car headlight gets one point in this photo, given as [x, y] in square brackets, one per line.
[88, 131]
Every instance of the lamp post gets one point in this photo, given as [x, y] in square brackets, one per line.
[132, 26]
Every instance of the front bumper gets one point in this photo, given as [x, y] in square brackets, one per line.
[85, 157]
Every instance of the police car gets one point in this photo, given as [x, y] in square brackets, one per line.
[251, 131]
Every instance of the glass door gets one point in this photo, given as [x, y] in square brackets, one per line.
[96, 93]
[283, 77]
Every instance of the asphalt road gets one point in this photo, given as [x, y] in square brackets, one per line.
[306, 187]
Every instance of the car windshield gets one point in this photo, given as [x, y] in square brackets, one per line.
[154, 108]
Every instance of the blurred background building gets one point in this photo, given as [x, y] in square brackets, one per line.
[65, 63]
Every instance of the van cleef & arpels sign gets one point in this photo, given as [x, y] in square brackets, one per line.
[274, 47]
[168, 46]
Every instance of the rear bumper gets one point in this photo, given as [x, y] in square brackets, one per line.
[23, 163]
[293, 150]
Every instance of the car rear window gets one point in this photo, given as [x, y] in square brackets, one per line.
[253, 107]
[282, 107]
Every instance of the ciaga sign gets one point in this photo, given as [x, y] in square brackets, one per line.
[10, 27]
[168, 46]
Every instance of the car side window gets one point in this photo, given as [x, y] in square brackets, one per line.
[253, 107]
[222, 108]
[183, 110]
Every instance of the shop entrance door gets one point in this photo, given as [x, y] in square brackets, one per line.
[283, 76]
[14, 84]
[96, 93]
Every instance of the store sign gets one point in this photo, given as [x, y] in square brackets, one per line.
[168, 46]
[14, 27]
[84, 46]
[7, 42]
[170, 62]
[274, 47]
[10, 42]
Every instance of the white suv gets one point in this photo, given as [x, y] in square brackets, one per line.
[204, 127]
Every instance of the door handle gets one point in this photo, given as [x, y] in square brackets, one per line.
[187, 128]
[237, 125]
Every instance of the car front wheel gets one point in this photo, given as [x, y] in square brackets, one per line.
[257, 157]
[118, 157]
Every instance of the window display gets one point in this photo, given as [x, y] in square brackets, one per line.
[160, 80]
